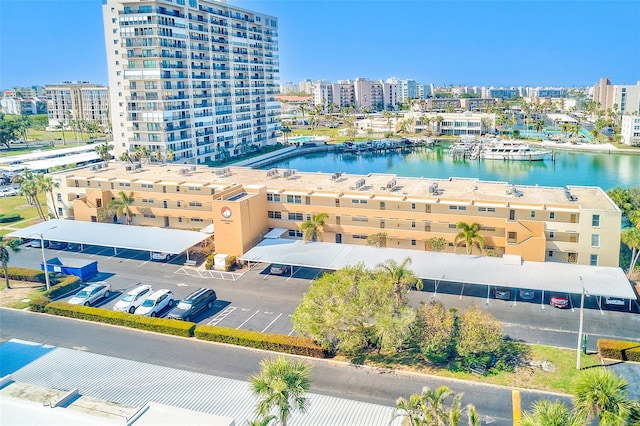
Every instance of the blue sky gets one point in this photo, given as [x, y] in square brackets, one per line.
[440, 42]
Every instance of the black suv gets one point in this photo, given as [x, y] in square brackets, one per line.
[193, 304]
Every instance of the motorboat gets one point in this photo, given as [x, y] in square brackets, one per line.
[512, 151]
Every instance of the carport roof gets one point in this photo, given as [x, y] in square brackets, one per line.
[483, 270]
[133, 237]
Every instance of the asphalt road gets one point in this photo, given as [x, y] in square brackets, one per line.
[329, 377]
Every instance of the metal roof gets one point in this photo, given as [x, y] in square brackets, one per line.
[135, 383]
[484, 270]
[147, 238]
[276, 233]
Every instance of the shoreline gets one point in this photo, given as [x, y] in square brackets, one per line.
[605, 148]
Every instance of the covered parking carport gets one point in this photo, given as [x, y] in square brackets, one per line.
[508, 271]
[143, 238]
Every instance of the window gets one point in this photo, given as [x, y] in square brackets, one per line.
[413, 242]
[296, 199]
[360, 219]
[179, 204]
[552, 234]
[413, 223]
[512, 237]
[457, 207]
[196, 219]
[550, 254]
[382, 205]
[595, 240]
[59, 211]
[413, 206]
[295, 233]
[573, 238]
[274, 215]
[593, 260]
[124, 184]
[59, 197]
[491, 209]
[595, 220]
[427, 227]
[359, 237]
[452, 226]
[147, 185]
[148, 200]
[149, 216]
[355, 201]
[195, 188]
[295, 216]
[273, 197]
[512, 215]
[552, 215]
[337, 220]
[195, 204]
[533, 213]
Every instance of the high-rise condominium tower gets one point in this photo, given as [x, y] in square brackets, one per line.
[191, 78]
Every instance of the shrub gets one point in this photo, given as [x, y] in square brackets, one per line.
[254, 339]
[209, 262]
[619, 349]
[25, 274]
[4, 218]
[160, 325]
[68, 284]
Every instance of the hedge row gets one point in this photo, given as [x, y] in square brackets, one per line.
[254, 339]
[4, 218]
[160, 325]
[619, 349]
[25, 274]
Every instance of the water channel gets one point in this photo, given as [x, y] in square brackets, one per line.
[569, 168]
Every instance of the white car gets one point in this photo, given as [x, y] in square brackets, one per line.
[133, 299]
[91, 294]
[8, 192]
[155, 303]
[157, 255]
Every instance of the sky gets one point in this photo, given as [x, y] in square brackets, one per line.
[499, 43]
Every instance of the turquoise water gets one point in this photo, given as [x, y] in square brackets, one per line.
[296, 139]
[569, 168]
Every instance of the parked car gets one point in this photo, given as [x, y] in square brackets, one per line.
[134, 298]
[37, 243]
[503, 293]
[57, 245]
[277, 269]
[193, 304]
[527, 294]
[157, 255]
[8, 192]
[559, 300]
[74, 246]
[91, 294]
[155, 303]
[614, 302]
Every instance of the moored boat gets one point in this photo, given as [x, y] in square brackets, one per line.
[512, 151]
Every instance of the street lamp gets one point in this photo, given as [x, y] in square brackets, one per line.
[581, 323]
[44, 258]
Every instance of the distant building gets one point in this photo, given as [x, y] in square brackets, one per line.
[359, 93]
[624, 99]
[501, 92]
[25, 92]
[630, 130]
[71, 101]
[306, 86]
[289, 88]
[546, 92]
[23, 106]
[455, 124]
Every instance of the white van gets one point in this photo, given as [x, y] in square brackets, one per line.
[155, 303]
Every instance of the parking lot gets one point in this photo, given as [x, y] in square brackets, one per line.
[260, 301]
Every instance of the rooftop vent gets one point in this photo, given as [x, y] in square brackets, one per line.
[568, 195]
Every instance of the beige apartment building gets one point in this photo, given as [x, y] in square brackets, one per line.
[72, 101]
[576, 224]
[621, 98]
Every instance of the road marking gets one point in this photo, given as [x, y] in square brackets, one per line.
[247, 320]
[182, 285]
[268, 313]
[271, 323]
[515, 401]
[244, 309]
[222, 315]
[291, 332]
[79, 348]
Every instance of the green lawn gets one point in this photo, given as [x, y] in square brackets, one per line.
[18, 204]
[559, 380]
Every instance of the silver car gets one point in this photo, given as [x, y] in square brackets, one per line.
[133, 299]
[91, 294]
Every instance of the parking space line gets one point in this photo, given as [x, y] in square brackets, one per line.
[222, 315]
[291, 332]
[247, 320]
[271, 323]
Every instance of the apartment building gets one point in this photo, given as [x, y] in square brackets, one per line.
[72, 101]
[625, 99]
[195, 77]
[454, 124]
[23, 106]
[630, 130]
[575, 224]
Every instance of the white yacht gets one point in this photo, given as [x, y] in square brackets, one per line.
[513, 151]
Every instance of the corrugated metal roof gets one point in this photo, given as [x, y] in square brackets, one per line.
[113, 235]
[547, 276]
[135, 383]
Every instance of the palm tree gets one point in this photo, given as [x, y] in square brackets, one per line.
[603, 394]
[29, 188]
[538, 125]
[141, 152]
[265, 421]
[122, 205]
[103, 150]
[439, 119]
[402, 278]
[312, 229]
[303, 108]
[170, 155]
[500, 119]
[47, 185]
[429, 408]
[61, 126]
[281, 384]
[631, 238]
[6, 245]
[410, 409]
[470, 235]
[551, 413]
